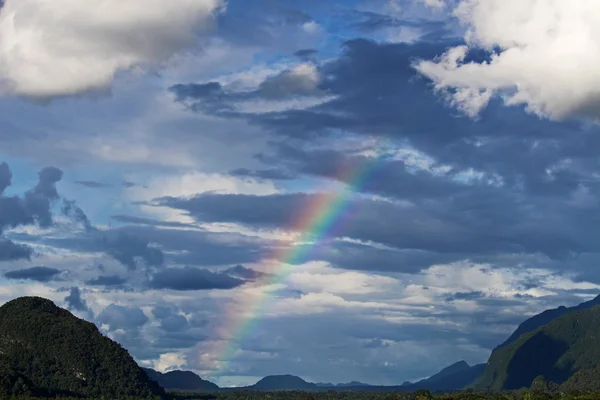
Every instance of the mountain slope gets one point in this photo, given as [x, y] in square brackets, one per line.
[546, 317]
[453, 377]
[181, 380]
[47, 350]
[283, 382]
[556, 351]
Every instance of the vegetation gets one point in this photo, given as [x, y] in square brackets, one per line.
[181, 380]
[46, 351]
[556, 351]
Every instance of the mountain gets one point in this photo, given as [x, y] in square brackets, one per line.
[47, 351]
[181, 380]
[352, 384]
[283, 382]
[566, 349]
[546, 317]
[453, 377]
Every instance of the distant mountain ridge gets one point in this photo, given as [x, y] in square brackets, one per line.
[181, 380]
[282, 382]
[453, 377]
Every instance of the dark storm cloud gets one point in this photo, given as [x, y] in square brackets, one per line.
[35, 205]
[170, 320]
[464, 296]
[307, 54]
[107, 280]
[94, 184]
[488, 223]
[75, 301]
[122, 317]
[5, 177]
[189, 278]
[383, 176]
[11, 251]
[130, 250]
[70, 209]
[241, 272]
[39, 274]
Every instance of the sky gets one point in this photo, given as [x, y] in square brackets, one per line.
[342, 190]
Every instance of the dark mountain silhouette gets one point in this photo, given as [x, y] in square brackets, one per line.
[556, 351]
[47, 351]
[546, 317]
[283, 382]
[453, 377]
[181, 380]
[352, 384]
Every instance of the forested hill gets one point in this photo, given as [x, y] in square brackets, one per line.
[45, 351]
[181, 380]
[567, 350]
[546, 317]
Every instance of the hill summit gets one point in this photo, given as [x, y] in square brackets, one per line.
[47, 351]
[283, 382]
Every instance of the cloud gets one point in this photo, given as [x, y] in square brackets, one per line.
[70, 209]
[68, 47]
[39, 274]
[107, 280]
[75, 301]
[122, 317]
[242, 272]
[266, 174]
[302, 80]
[11, 251]
[542, 54]
[95, 185]
[189, 278]
[5, 177]
[133, 251]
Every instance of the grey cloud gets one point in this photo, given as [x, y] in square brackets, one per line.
[94, 184]
[129, 219]
[189, 278]
[75, 301]
[266, 174]
[464, 296]
[35, 205]
[241, 272]
[122, 317]
[5, 177]
[70, 209]
[130, 250]
[306, 54]
[170, 321]
[39, 274]
[289, 84]
[107, 280]
[11, 251]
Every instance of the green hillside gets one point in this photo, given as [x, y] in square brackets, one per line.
[45, 350]
[556, 351]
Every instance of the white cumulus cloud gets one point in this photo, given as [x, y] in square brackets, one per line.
[545, 55]
[64, 47]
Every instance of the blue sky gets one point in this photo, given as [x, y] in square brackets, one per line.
[155, 156]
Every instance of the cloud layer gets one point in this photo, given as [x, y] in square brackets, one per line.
[542, 54]
[54, 48]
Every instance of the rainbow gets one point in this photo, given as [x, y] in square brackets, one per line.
[321, 217]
